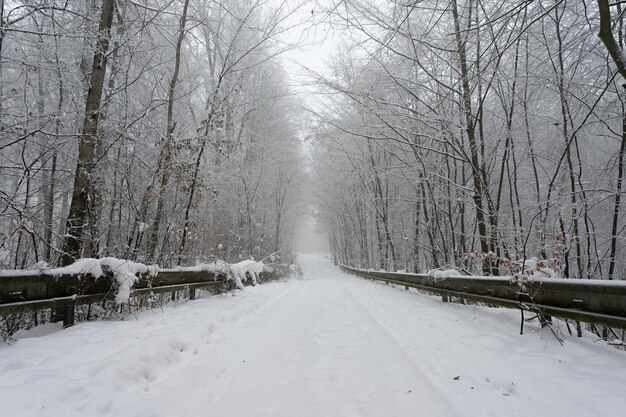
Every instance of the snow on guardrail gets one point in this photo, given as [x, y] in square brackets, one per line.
[125, 272]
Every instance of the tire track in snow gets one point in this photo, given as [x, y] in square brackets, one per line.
[215, 333]
[349, 283]
[392, 336]
[501, 372]
[314, 353]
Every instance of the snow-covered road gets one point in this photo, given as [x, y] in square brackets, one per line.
[327, 345]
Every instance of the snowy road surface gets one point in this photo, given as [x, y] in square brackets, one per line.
[327, 345]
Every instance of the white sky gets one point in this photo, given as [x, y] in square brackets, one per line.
[317, 42]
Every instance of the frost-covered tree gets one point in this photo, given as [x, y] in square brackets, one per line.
[122, 124]
[477, 131]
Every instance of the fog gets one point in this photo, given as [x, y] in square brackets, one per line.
[311, 236]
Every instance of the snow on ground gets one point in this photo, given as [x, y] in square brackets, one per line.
[328, 345]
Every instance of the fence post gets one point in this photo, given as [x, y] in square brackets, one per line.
[68, 313]
[192, 293]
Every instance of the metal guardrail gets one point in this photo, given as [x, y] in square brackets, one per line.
[592, 301]
[62, 293]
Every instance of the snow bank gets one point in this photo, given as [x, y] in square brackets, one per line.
[240, 271]
[443, 274]
[125, 275]
[124, 272]
[217, 267]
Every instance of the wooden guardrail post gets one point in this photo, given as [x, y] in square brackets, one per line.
[69, 313]
[56, 314]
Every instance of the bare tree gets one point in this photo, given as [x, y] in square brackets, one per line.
[79, 215]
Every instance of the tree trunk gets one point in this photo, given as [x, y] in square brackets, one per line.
[606, 35]
[166, 158]
[566, 121]
[471, 136]
[78, 216]
[618, 195]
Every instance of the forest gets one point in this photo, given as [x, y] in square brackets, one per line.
[156, 131]
[474, 134]
[477, 134]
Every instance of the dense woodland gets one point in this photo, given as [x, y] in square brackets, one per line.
[476, 134]
[465, 133]
[157, 131]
